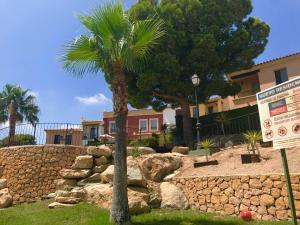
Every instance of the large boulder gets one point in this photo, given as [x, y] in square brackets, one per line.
[101, 161]
[101, 195]
[55, 205]
[138, 199]
[157, 166]
[134, 174]
[141, 150]
[83, 162]
[100, 169]
[65, 184]
[1, 171]
[108, 175]
[67, 200]
[172, 197]
[98, 151]
[95, 178]
[3, 184]
[75, 174]
[180, 149]
[5, 198]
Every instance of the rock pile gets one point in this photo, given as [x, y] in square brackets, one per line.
[5, 198]
[91, 178]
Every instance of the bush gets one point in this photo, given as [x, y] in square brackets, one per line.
[20, 139]
[151, 142]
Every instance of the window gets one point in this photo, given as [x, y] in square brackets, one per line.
[210, 109]
[281, 76]
[93, 133]
[154, 124]
[57, 138]
[68, 139]
[112, 127]
[143, 125]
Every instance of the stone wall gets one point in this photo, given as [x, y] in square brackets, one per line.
[31, 171]
[265, 196]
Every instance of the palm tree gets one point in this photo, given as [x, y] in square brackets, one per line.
[223, 120]
[17, 105]
[115, 46]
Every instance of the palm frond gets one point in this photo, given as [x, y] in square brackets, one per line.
[81, 56]
[144, 36]
[109, 24]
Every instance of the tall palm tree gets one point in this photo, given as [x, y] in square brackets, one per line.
[114, 45]
[17, 105]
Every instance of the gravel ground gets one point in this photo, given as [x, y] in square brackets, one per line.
[230, 163]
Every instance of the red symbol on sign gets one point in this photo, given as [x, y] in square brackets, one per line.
[268, 123]
[296, 128]
[282, 131]
[269, 134]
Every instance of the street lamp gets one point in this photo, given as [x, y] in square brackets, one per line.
[196, 81]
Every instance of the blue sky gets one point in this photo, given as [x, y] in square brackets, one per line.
[33, 33]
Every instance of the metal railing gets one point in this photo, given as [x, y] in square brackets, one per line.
[43, 133]
[235, 125]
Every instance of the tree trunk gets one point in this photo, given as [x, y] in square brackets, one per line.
[188, 134]
[119, 213]
[12, 124]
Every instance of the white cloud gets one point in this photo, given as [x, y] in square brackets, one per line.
[98, 99]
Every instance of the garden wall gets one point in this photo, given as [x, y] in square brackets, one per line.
[265, 196]
[31, 170]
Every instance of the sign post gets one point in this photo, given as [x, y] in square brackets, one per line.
[279, 112]
[289, 185]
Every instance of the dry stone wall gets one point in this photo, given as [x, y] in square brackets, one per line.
[265, 196]
[31, 171]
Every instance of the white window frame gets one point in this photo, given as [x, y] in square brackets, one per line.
[109, 127]
[147, 127]
[150, 128]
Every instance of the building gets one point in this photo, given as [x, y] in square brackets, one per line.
[263, 76]
[72, 136]
[140, 123]
[214, 105]
[92, 129]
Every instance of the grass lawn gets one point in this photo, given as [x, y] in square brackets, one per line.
[86, 214]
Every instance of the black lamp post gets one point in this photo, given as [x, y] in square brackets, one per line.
[196, 81]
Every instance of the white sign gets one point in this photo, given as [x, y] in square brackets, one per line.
[279, 111]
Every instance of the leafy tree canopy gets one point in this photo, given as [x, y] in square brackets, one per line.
[206, 37]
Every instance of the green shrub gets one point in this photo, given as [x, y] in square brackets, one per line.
[165, 139]
[151, 142]
[20, 139]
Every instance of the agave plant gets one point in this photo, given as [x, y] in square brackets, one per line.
[252, 138]
[206, 144]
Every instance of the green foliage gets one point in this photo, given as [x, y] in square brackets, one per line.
[196, 41]
[151, 142]
[222, 118]
[87, 214]
[112, 40]
[135, 152]
[252, 138]
[166, 139]
[207, 144]
[23, 104]
[20, 139]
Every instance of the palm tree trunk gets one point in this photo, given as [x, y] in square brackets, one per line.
[188, 135]
[119, 213]
[12, 124]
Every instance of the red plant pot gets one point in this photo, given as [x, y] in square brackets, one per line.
[246, 215]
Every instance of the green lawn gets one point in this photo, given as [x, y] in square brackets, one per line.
[85, 214]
